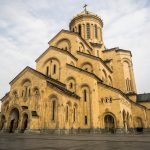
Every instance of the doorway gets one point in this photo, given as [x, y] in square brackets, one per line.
[109, 124]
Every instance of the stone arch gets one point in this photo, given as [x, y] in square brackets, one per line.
[13, 119]
[26, 88]
[87, 66]
[36, 91]
[53, 107]
[25, 121]
[139, 122]
[68, 115]
[53, 69]
[86, 102]
[127, 74]
[109, 121]
[75, 108]
[71, 84]
[64, 44]
[25, 81]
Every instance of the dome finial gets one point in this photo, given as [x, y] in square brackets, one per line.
[85, 7]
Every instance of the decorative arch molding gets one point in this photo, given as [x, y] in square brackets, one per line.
[138, 122]
[25, 81]
[111, 114]
[128, 61]
[64, 44]
[85, 85]
[50, 60]
[53, 96]
[52, 67]
[87, 66]
[15, 106]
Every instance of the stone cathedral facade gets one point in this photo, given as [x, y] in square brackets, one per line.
[78, 86]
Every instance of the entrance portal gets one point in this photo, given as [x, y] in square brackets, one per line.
[14, 119]
[24, 123]
[109, 123]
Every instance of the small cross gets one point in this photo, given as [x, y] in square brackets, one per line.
[85, 6]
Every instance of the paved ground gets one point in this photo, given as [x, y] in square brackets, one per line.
[72, 142]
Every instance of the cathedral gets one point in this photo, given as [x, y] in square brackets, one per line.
[78, 86]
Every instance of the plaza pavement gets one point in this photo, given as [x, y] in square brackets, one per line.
[74, 142]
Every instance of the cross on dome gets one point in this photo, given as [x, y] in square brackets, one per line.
[85, 7]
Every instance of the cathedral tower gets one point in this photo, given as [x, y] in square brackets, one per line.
[88, 25]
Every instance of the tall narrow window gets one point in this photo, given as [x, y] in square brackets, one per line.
[47, 71]
[53, 110]
[29, 94]
[54, 69]
[88, 30]
[95, 27]
[74, 114]
[79, 29]
[26, 90]
[85, 120]
[71, 85]
[85, 95]
[67, 113]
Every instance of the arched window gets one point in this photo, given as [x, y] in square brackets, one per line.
[74, 113]
[79, 29]
[85, 120]
[87, 66]
[53, 109]
[85, 95]
[54, 69]
[26, 91]
[67, 112]
[71, 84]
[36, 91]
[88, 30]
[95, 28]
[47, 70]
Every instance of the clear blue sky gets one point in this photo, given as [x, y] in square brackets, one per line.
[27, 26]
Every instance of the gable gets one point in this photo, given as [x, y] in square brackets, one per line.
[69, 38]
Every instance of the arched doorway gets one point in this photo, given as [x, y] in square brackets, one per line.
[24, 123]
[2, 122]
[14, 120]
[109, 123]
[139, 125]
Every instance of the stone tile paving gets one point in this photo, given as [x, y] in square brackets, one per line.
[74, 142]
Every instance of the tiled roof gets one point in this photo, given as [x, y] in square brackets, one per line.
[145, 97]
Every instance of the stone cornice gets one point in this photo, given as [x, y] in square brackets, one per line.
[86, 16]
[116, 49]
[37, 73]
[63, 90]
[96, 58]
[57, 49]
